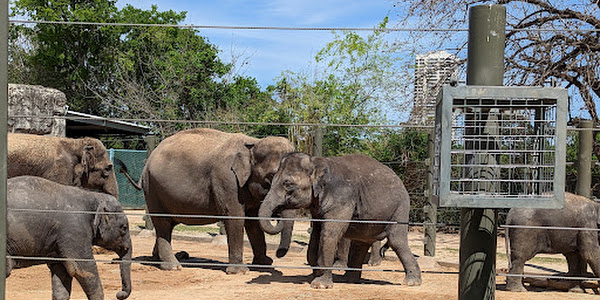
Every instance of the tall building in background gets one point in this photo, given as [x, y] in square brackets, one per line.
[432, 71]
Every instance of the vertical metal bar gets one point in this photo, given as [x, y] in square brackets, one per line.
[584, 158]
[430, 208]
[317, 141]
[3, 141]
[485, 66]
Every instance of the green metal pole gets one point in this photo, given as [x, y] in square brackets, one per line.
[3, 141]
[485, 66]
[584, 158]
[430, 209]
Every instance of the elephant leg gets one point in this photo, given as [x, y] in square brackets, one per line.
[520, 252]
[163, 251]
[257, 241]
[86, 274]
[375, 256]
[61, 282]
[341, 255]
[312, 255]
[358, 252]
[331, 233]
[235, 244]
[590, 251]
[577, 267]
[398, 240]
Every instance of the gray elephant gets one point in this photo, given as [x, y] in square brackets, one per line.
[78, 162]
[580, 247]
[208, 172]
[353, 187]
[66, 235]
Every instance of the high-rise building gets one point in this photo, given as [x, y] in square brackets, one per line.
[432, 71]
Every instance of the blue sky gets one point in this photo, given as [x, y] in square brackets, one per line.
[271, 52]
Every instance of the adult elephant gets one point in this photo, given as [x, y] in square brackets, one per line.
[80, 162]
[65, 234]
[353, 187]
[208, 172]
[580, 247]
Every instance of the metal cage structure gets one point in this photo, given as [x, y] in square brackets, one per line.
[500, 147]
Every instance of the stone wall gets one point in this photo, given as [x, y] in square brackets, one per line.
[40, 103]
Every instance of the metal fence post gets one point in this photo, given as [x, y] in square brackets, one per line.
[478, 228]
[430, 209]
[3, 138]
[584, 158]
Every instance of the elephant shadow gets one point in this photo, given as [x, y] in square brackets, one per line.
[277, 276]
[198, 262]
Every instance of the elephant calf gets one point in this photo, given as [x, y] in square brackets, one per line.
[66, 235]
[580, 247]
[353, 187]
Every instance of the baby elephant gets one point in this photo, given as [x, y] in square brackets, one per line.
[64, 233]
[580, 247]
[353, 187]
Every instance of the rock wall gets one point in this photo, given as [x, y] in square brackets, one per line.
[40, 103]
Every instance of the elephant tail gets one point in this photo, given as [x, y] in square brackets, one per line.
[123, 169]
[384, 248]
[507, 245]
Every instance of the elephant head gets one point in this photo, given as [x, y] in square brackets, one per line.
[111, 231]
[95, 170]
[297, 184]
[265, 155]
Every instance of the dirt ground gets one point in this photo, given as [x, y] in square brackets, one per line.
[440, 278]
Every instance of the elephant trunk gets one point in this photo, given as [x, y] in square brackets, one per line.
[125, 265]
[265, 212]
[286, 232]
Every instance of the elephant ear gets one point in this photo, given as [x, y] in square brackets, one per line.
[100, 219]
[241, 165]
[318, 177]
[87, 158]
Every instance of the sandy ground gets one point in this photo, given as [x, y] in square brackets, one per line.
[440, 280]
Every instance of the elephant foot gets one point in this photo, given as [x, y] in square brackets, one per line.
[321, 283]
[265, 260]
[515, 287]
[340, 264]
[374, 261]
[231, 270]
[281, 252]
[170, 266]
[576, 289]
[412, 280]
[351, 277]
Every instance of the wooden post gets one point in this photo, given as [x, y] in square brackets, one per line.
[317, 141]
[151, 143]
[584, 158]
[478, 228]
[430, 209]
[3, 138]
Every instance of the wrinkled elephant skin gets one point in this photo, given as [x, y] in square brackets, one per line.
[209, 172]
[353, 187]
[66, 235]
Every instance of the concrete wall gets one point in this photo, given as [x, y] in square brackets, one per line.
[36, 101]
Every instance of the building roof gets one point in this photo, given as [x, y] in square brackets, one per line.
[80, 124]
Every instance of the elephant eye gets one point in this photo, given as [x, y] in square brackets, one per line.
[108, 168]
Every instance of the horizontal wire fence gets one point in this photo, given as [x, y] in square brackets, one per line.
[218, 122]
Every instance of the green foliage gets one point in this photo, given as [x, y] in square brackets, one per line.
[68, 57]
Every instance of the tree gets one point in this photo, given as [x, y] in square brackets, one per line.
[356, 76]
[65, 57]
[546, 40]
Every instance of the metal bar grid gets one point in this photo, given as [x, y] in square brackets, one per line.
[500, 146]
